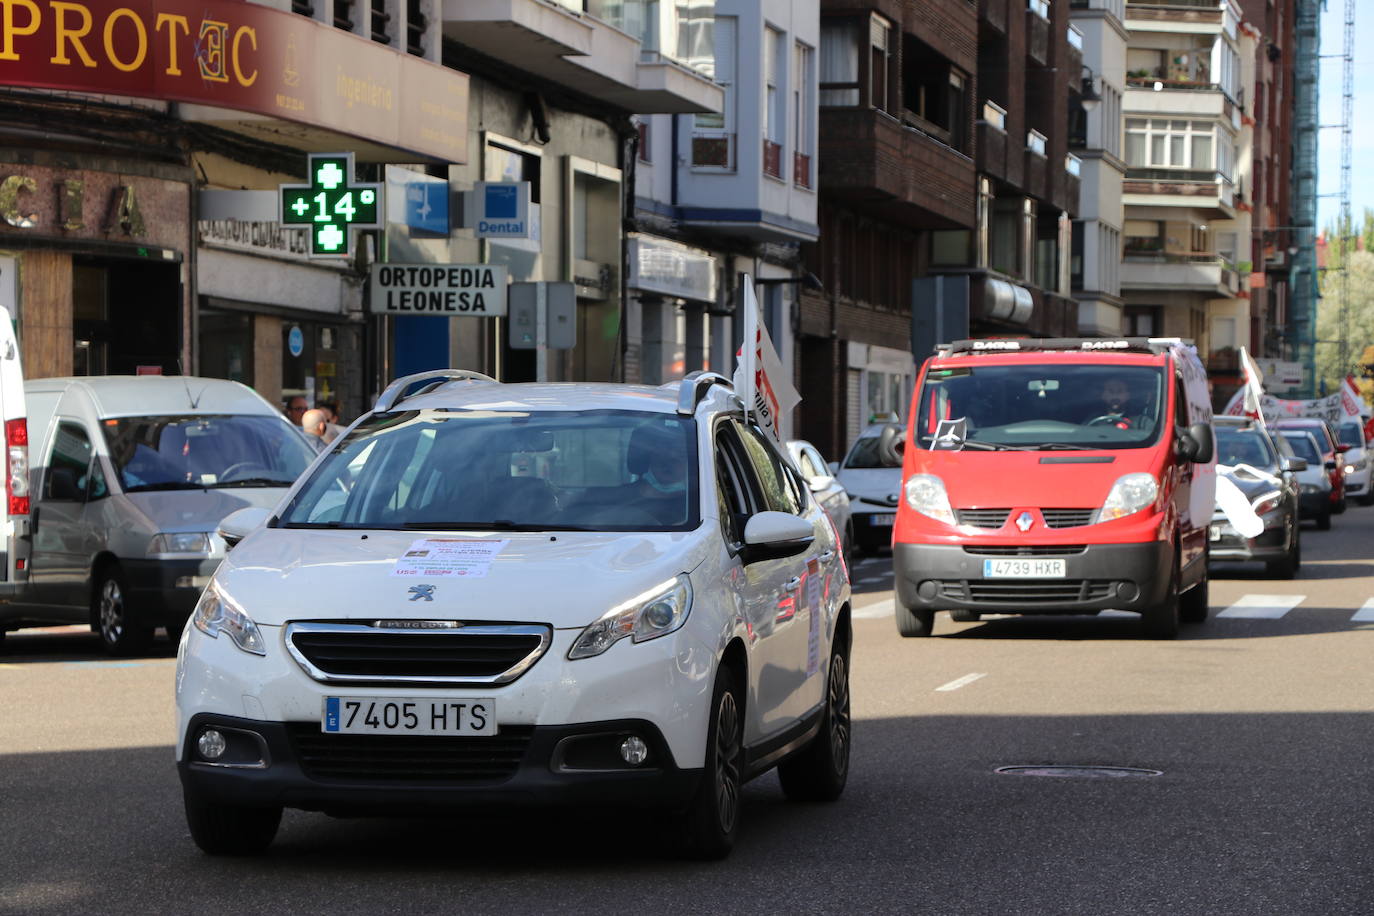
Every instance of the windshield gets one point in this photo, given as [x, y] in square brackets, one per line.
[1245, 446]
[205, 451]
[1352, 435]
[1304, 447]
[606, 470]
[1041, 406]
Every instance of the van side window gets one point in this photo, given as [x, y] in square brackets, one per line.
[68, 464]
[1180, 403]
[779, 483]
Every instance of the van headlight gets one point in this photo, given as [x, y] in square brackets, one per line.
[655, 613]
[180, 543]
[216, 614]
[926, 494]
[1130, 494]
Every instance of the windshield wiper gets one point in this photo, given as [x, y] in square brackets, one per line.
[996, 446]
[167, 485]
[1064, 447]
[252, 482]
[316, 525]
[501, 524]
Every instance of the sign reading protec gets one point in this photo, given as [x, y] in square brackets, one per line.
[452, 290]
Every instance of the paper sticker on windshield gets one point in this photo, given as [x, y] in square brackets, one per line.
[950, 435]
[436, 557]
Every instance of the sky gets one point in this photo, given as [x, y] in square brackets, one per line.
[1329, 99]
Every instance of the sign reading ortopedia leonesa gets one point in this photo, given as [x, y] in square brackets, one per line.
[451, 290]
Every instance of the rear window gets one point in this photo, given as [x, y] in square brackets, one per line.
[1245, 446]
[1304, 447]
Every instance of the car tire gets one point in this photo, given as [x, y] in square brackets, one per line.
[965, 615]
[1194, 603]
[1339, 507]
[1367, 497]
[914, 622]
[1161, 621]
[1287, 566]
[712, 818]
[230, 830]
[1324, 521]
[112, 619]
[819, 771]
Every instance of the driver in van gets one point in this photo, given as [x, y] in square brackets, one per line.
[1115, 405]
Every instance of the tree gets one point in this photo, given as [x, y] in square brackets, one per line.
[1360, 330]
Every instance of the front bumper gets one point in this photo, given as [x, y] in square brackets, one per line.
[1129, 577]
[1271, 544]
[295, 765]
[166, 591]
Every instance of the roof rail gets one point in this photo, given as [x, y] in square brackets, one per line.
[694, 387]
[1081, 344]
[396, 391]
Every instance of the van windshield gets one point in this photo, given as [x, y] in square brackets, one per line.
[1041, 406]
[204, 451]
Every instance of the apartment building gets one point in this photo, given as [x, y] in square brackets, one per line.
[1188, 193]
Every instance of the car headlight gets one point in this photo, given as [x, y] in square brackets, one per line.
[655, 613]
[1310, 488]
[1267, 502]
[926, 494]
[216, 614]
[1356, 467]
[1130, 494]
[193, 542]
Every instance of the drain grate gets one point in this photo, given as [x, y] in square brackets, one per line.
[1078, 772]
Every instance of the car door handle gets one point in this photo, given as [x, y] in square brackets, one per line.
[792, 584]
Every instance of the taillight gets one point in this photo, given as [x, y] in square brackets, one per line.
[17, 447]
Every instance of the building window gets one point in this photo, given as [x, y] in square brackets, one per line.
[1144, 236]
[713, 133]
[1076, 255]
[803, 78]
[933, 93]
[880, 63]
[1158, 143]
[839, 63]
[645, 154]
[774, 112]
[1142, 321]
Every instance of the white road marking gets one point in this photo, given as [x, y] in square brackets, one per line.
[1366, 612]
[1263, 607]
[1116, 613]
[870, 580]
[875, 611]
[960, 682]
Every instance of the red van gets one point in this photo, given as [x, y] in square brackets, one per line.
[1060, 476]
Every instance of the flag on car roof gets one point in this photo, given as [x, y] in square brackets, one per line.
[1248, 401]
[760, 379]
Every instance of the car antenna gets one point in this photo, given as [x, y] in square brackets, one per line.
[194, 399]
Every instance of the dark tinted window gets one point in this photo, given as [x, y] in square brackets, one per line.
[1352, 435]
[1245, 446]
[68, 463]
[1304, 447]
[208, 451]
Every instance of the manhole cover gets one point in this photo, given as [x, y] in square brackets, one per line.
[1078, 772]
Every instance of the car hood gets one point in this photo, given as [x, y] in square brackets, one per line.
[199, 510]
[1253, 487]
[567, 579]
[1059, 479]
[873, 484]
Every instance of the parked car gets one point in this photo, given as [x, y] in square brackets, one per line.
[14, 565]
[1061, 476]
[1332, 452]
[131, 474]
[871, 474]
[1356, 463]
[1314, 482]
[493, 594]
[1269, 481]
[826, 488]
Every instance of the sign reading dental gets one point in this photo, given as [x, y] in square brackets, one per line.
[331, 205]
[503, 209]
[443, 290]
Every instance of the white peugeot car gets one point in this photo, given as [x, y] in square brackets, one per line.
[490, 594]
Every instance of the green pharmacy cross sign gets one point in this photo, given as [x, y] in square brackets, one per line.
[331, 204]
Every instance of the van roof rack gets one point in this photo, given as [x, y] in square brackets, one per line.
[398, 390]
[1062, 344]
[695, 386]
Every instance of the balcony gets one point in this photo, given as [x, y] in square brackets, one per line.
[1182, 12]
[581, 53]
[994, 14]
[874, 162]
[772, 159]
[1038, 31]
[1208, 192]
[1176, 98]
[1179, 272]
[801, 170]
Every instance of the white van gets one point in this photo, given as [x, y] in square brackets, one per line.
[131, 476]
[14, 571]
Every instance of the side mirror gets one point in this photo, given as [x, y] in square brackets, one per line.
[1196, 444]
[772, 536]
[817, 484]
[238, 525]
[1295, 464]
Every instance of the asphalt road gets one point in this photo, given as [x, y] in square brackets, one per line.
[1258, 722]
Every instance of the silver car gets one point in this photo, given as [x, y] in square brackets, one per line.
[826, 488]
[872, 475]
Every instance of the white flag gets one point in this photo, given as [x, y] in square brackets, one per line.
[760, 380]
[1249, 400]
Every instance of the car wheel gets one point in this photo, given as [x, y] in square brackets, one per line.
[965, 615]
[1339, 507]
[230, 830]
[1161, 620]
[712, 817]
[1367, 497]
[820, 770]
[114, 620]
[914, 622]
[1194, 603]
[1286, 567]
[1324, 521]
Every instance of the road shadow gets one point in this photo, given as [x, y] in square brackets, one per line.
[40, 646]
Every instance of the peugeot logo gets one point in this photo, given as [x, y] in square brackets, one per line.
[423, 591]
[1023, 521]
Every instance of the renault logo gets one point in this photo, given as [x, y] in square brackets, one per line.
[422, 591]
[1023, 521]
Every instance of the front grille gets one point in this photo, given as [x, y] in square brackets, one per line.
[982, 518]
[429, 759]
[1027, 591]
[1027, 550]
[470, 654]
[1067, 518]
